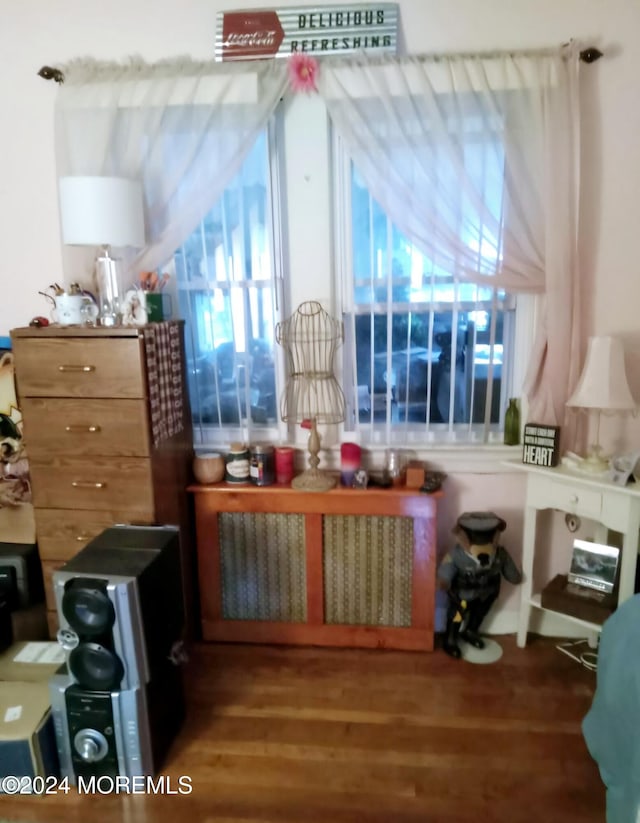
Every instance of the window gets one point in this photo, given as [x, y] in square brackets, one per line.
[227, 295]
[428, 355]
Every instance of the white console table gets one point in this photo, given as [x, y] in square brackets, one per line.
[612, 507]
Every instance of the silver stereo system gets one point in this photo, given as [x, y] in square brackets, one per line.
[118, 702]
[120, 606]
[100, 733]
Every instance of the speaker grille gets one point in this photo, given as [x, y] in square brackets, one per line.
[95, 667]
[87, 608]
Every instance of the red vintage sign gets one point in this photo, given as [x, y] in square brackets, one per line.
[349, 29]
[251, 34]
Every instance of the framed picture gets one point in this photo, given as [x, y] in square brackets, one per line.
[134, 308]
[541, 445]
[594, 565]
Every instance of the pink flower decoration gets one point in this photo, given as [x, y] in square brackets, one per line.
[302, 72]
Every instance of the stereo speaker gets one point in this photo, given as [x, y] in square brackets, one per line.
[120, 608]
[119, 733]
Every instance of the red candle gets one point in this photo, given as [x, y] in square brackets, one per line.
[284, 464]
[350, 455]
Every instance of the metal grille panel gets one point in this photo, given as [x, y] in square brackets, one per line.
[262, 559]
[368, 565]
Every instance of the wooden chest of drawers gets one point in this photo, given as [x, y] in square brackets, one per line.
[96, 455]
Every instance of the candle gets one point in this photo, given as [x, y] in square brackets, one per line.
[350, 454]
[284, 464]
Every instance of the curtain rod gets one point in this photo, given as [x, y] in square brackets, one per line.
[588, 55]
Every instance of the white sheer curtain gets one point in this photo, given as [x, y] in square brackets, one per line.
[182, 128]
[411, 125]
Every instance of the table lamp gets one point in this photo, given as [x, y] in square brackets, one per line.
[312, 394]
[105, 212]
[602, 389]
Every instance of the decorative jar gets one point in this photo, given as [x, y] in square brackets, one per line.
[262, 469]
[237, 464]
[208, 468]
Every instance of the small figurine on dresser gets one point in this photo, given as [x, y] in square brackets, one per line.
[471, 574]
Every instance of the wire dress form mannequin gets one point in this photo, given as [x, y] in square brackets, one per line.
[310, 338]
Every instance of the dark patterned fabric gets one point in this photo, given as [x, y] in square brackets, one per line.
[164, 378]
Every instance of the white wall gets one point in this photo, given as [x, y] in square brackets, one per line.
[37, 32]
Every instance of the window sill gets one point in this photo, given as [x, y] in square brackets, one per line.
[462, 459]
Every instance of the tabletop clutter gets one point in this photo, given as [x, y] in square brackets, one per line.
[144, 302]
[263, 464]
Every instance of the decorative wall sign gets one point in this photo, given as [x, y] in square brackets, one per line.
[253, 33]
[541, 445]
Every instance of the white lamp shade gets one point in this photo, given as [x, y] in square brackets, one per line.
[101, 211]
[603, 383]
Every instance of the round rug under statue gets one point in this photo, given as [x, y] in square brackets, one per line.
[492, 651]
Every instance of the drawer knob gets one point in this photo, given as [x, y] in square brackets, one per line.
[74, 429]
[76, 368]
[574, 498]
[87, 484]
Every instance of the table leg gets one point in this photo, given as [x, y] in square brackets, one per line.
[526, 589]
[629, 556]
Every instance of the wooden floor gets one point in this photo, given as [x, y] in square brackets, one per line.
[341, 736]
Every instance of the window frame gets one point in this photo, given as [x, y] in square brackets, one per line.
[323, 165]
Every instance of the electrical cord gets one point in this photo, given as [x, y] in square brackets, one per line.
[588, 659]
